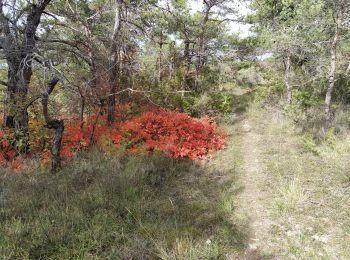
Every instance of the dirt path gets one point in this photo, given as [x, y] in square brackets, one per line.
[254, 200]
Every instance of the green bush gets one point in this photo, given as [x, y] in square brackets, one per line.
[208, 104]
[249, 77]
[306, 99]
[309, 144]
[197, 105]
[222, 103]
[330, 138]
[272, 90]
[342, 89]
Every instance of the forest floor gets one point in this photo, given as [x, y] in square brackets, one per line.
[295, 199]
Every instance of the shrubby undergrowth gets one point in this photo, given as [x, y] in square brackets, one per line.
[175, 134]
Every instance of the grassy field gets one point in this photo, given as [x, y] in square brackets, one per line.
[123, 208]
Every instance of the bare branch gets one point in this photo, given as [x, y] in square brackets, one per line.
[148, 91]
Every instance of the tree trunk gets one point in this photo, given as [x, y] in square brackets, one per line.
[16, 115]
[130, 75]
[56, 124]
[81, 113]
[287, 79]
[201, 45]
[160, 58]
[19, 55]
[187, 56]
[172, 61]
[331, 79]
[114, 64]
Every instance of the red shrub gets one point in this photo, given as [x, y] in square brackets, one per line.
[175, 133]
[8, 153]
[76, 139]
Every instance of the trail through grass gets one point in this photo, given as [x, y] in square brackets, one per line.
[300, 200]
[254, 199]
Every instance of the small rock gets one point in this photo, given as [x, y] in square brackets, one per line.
[253, 246]
[323, 239]
[246, 127]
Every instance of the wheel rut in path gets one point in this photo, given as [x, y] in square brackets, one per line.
[255, 198]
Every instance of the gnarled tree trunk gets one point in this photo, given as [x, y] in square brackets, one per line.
[56, 124]
[19, 56]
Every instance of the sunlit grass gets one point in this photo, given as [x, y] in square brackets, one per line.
[310, 194]
[289, 195]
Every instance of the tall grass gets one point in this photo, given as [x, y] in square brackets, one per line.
[118, 208]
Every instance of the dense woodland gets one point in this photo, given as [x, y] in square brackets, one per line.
[112, 109]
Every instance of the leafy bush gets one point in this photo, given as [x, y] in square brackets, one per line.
[342, 89]
[197, 105]
[208, 104]
[271, 90]
[309, 145]
[176, 134]
[182, 136]
[222, 102]
[249, 77]
[304, 98]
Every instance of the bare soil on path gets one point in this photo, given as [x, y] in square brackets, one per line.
[255, 197]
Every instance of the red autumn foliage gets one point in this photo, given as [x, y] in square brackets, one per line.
[76, 138]
[8, 155]
[176, 134]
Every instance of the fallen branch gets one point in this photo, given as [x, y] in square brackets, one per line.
[148, 91]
